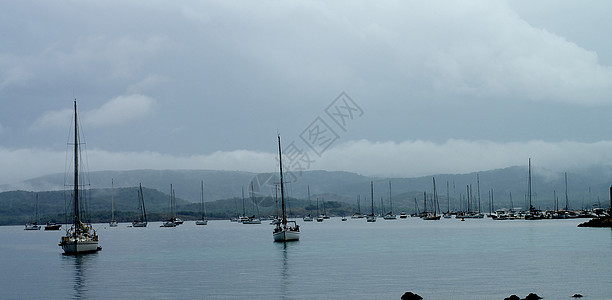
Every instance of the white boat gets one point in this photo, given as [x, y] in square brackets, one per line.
[142, 219]
[203, 220]
[307, 218]
[358, 214]
[113, 222]
[403, 215]
[252, 219]
[80, 237]
[285, 230]
[172, 221]
[390, 215]
[433, 215]
[371, 217]
[34, 225]
[320, 217]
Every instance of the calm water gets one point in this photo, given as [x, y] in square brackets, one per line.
[446, 259]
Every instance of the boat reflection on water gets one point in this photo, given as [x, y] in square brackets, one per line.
[286, 279]
[81, 264]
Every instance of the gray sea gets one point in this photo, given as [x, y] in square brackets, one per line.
[446, 259]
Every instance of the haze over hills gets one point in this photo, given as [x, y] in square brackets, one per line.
[347, 187]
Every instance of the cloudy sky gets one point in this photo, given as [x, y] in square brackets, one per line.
[387, 88]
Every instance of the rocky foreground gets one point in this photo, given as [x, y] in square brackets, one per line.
[598, 222]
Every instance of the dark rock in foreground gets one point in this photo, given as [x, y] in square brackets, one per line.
[532, 296]
[411, 296]
[513, 297]
[577, 296]
[598, 222]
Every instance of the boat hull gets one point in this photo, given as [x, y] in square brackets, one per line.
[139, 224]
[201, 222]
[286, 236]
[79, 245]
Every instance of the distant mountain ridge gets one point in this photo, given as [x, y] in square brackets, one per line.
[347, 187]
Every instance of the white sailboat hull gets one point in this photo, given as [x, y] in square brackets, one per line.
[73, 245]
[286, 236]
[201, 222]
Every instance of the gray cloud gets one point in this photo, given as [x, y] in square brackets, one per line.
[192, 82]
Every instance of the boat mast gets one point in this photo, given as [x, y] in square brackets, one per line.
[77, 219]
[529, 186]
[372, 195]
[390, 201]
[280, 162]
[144, 211]
[112, 199]
[566, 198]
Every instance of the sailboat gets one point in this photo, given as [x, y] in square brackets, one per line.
[371, 217]
[34, 225]
[308, 218]
[113, 222]
[171, 222]
[285, 230]
[433, 215]
[253, 219]
[202, 221]
[533, 213]
[358, 214]
[390, 215]
[319, 216]
[142, 219]
[81, 237]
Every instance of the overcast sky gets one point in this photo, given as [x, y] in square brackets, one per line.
[393, 88]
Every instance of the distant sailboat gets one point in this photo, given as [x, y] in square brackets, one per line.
[358, 214]
[34, 225]
[171, 221]
[390, 215]
[80, 237]
[371, 217]
[113, 222]
[202, 221]
[285, 230]
[308, 218]
[254, 219]
[319, 216]
[142, 218]
[433, 214]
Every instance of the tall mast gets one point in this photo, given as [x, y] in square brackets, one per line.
[372, 195]
[529, 186]
[280, 162]
[566, 198]
[77, 218]
[390, 201]
[112, 199]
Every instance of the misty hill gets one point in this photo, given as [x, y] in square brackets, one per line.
[348, 187]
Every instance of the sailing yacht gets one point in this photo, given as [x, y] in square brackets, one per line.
[319, 216]
[358, 214]
[371, 217]
[142, 219]
[202, 221]
[80, 237]
[34, 225]
[390, 215]
[308, 218]
[433, 214]
[172, 221]
[285, 230]
[113, 222]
